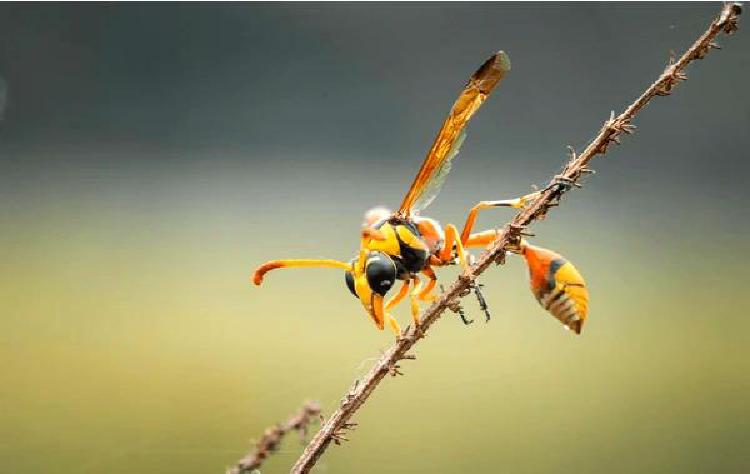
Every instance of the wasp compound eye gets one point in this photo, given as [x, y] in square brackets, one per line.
[381, 273]
[350, 283]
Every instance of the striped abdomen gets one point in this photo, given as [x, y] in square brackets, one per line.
[558, 286]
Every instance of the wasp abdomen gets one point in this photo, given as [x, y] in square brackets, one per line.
[558, 286]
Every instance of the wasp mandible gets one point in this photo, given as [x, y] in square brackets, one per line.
[402, 245]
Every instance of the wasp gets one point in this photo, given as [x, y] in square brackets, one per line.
[404, 245]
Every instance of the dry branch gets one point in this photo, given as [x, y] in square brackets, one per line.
[272, 437]
[338, 422]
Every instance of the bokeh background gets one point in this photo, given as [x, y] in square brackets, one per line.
[152, 155]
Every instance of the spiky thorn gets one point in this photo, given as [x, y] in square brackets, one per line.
[701, 52]
[350, 395]
[394, 370]
[674, 76]
[726, 22]
[338, 435]
[672, 57]
[572, 155]
[729, 17]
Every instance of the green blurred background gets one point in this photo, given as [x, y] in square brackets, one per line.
[152, 155]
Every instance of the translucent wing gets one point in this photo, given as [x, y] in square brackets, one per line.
[430, 190]
[471, 98]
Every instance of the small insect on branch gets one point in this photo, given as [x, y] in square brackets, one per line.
[576, 167]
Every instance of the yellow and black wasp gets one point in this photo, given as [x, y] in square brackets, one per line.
[402, 245]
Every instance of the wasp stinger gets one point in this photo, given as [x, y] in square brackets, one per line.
[402, 245]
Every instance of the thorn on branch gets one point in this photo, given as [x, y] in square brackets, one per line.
[615, 127]
[338, 437]
[572, 155]
[728, 18]
[674, 77]
[672, 57]
[624, 126]
[349, 396]
[338, 434]
[394, 369]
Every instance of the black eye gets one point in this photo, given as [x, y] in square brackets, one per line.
[350, 282]
[381, 273]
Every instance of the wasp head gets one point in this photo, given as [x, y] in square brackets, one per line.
[370, 281]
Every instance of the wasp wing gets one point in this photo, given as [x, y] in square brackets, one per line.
[430, 190]
[471, 98]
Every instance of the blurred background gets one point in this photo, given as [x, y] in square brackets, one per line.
[152, 155]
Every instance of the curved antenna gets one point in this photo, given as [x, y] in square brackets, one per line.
[303, 263]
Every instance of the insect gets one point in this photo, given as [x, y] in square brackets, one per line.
[401, 246]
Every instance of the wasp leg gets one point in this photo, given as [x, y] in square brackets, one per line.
[425, 294]
[414, 304]
[446, 253]
[399, 296]
[518, 203]
[480, 239]
[274, 264]
[482, 302]
[396, 299]
[393, 324]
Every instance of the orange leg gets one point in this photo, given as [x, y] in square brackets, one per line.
[425, 293]
[399, 296]
[517, 203]
[446, 253]
[413, 300]
[392, 323]
[481, 239]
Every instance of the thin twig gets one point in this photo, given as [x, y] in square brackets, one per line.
[509, 237]
[272, 438]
